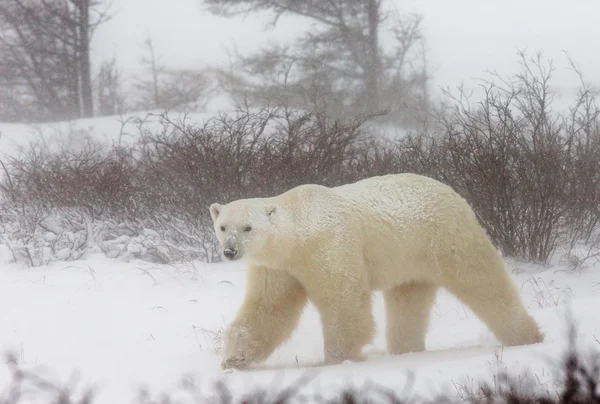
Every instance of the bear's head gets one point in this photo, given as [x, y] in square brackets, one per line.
[244, 227]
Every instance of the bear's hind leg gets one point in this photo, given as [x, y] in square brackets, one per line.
[407, 309]
[272, 307]
[494, 298]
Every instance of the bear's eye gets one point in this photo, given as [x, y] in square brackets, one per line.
[247, 228]
[222, 228]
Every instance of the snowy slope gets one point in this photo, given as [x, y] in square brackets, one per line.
[73, 135]
[126, 129]
[127, 325]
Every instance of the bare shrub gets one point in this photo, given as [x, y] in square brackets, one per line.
[531, 174]
[55, 204]
[150, 199]
[90, 179]
[583, 219]
[231, 157]
[308, 148]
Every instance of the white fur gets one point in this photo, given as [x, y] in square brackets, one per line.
[404, 234]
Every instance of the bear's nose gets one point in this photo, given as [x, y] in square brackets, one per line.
[229, 253]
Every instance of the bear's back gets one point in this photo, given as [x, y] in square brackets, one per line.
[403, 196]
[402, 219]
[389, 204]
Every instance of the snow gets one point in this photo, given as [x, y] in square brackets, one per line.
[73, 135]
[124, 326]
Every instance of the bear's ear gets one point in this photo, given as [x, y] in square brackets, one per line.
[270, 209]
[215, 208]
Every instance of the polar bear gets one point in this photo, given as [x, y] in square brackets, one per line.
[405, 235]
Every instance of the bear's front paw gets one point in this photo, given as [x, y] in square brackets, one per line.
[235, 362]
[239, 350]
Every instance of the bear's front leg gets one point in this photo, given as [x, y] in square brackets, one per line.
[272, 306]
[348, 325]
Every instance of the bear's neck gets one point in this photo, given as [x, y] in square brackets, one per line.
[280, 252]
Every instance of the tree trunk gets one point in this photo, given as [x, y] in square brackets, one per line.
[373, 63]
[154, 66]
[85, 73]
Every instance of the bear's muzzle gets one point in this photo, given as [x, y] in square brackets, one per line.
[230, 253]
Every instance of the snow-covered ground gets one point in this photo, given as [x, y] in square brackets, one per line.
[119, 130]
[126, 325]
[122, 326]
[103, 131]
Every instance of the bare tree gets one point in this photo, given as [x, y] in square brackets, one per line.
[149, 87]
[110, 99]
[341, 60]
[167, 88]
[45, 54]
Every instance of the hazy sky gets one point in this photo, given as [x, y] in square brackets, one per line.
[183, 32]
[464, 37]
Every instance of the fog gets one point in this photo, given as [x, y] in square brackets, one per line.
[464, 37]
